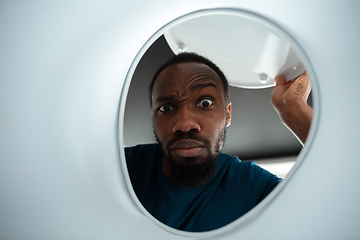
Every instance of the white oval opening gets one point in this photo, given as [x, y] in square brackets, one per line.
[253, 114]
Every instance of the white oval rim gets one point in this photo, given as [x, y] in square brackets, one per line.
[253, 213]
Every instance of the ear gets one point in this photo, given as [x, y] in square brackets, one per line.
[228, 114]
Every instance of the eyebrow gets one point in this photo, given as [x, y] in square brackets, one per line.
[192, 87]
[202, 85]
[166, 99]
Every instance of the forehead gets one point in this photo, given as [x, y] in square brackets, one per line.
[181, 78]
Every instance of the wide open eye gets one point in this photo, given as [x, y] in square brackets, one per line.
[206, 103]
[165, 108]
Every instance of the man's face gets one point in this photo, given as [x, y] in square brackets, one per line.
[189, 119]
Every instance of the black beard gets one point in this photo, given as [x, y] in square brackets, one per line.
[198, 170]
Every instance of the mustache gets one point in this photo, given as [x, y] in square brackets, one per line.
[188, 136]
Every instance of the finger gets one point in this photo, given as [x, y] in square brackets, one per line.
[288, 83]
[297, 79]
[302, 85]
[280, 80]
[303, 80]
[307, 81]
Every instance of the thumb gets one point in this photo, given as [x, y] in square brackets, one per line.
[302, 85]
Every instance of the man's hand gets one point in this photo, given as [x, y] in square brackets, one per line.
[289, 99]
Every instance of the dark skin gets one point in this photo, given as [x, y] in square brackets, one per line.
[289, 98]
[189, 98]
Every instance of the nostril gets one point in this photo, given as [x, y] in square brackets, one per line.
[195, 130]
[178, 132]
[186, 129]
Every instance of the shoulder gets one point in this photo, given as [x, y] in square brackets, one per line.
[233, 162]
[248, 171]
[247, 175]
[142, 156]
[145, 150]
[142, 160]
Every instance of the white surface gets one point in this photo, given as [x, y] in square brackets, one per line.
[246, 48]
[62, 70]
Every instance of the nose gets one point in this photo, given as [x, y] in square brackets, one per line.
[185, 122]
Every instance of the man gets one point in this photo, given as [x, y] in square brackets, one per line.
[185, 181]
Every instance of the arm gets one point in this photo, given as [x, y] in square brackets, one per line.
[289, 99]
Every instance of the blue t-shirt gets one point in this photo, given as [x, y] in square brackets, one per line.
[235, 188]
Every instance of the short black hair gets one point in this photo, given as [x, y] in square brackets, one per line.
[192, 57]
